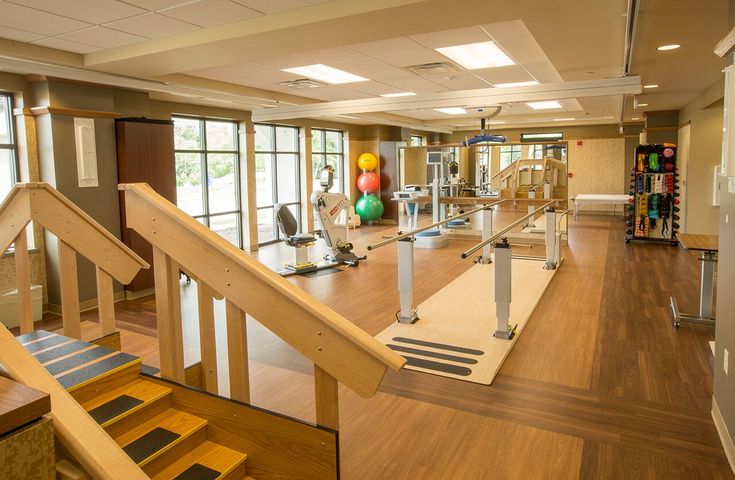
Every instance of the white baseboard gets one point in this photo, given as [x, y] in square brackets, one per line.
[725, 437]
[139, 294]
[90, 304]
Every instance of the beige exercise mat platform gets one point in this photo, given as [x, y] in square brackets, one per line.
[454, 334]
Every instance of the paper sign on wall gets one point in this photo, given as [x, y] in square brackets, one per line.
[86, 152]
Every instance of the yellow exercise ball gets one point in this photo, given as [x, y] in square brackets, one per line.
[367, 161]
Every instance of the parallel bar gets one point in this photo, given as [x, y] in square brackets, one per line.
[207, 339]
[433, 225]
[237, 353]
[168, 316]
[327, 399]
[503, 231]
[23, 282]
[105, 302]
[69, 285]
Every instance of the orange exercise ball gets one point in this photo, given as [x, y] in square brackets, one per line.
[368, 182]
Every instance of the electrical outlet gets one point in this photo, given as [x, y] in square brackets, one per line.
[726, 360]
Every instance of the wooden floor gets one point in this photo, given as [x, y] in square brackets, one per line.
[600, 385]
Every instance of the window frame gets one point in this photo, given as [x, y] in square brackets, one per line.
[323, 154]
[13, 145]
[273, 154]
[204, 166]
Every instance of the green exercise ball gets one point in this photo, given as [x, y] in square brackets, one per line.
[369, 207]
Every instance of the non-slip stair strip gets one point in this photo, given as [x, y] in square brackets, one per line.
[33, 336]
[46, 342]
[428, 353]
[439, 346]
[438, 366]
[77, 360]
[198, 472]
[114, 408]
[150, 443]
[84, 374]
[60, 351]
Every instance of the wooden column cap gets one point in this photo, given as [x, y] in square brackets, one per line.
[20, 404]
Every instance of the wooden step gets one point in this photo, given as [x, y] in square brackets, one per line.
[151, 439]
[210, 461]
[117, 404]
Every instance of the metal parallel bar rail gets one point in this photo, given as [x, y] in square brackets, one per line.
[505, 230]
[401, 236]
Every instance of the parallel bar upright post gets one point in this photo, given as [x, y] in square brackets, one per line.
[503, 289]
[550, 239]
[487, 232]
[405, 280]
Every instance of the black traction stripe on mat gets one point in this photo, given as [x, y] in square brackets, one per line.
[30, 337]
[114, 408]
[46, 342]
[148, 370]
[77, 360]
[61, 350]
[95, 370]
[438, 366]
[427, 353]
[442, 346]
[198, 472]
[148, 444]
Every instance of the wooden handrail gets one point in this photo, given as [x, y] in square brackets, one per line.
[88, 443]
[331, 342]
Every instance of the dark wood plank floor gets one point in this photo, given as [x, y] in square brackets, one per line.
[599, 385]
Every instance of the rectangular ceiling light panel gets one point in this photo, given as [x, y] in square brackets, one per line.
[326, 74]
[547, 105]
[452, 110]
[516, 84]
[473, 56]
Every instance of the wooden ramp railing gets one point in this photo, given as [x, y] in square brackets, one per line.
[340, 351]
[88, 443]
[77, 232]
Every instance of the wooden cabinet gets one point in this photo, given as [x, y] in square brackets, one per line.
[145, 153]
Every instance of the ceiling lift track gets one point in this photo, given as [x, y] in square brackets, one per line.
[630, 26]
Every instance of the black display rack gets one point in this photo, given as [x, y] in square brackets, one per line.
[654, 188]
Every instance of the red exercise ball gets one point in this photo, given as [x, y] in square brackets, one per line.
[368, 182]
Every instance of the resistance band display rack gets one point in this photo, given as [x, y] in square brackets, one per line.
[654, 188]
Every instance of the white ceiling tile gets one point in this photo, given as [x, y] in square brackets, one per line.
[273, 6]
[331, 56]
[509, 74]
[209, 13]
[66, 45]
[102, 37]
[155, 5]
[30, 20]
[409, 59]
[20, 35]
[448, 38]
[457, 81]
[152, 25]
[284, 61]
[414, 83]
[268, 78]
[92, 11]
[230, 73]
[330, 93]
[391, 46]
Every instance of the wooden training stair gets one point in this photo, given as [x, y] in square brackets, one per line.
[139, 413]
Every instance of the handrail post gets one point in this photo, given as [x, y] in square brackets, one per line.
[168, 316]
[69, 286]
[487, 232]
[105, 302]
[326, 397]
[237, 353]
[207, 339]
[550, 239]
[23, 283]
[503, 290]
[531, 207]
[405, 280]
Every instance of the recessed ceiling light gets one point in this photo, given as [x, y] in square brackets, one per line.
[397, 94]
[549, 104]
[496, 122]
[516, 84]
[653, 85]
[326, 74]
[564, 119]
[477, 55]
[634, 118]
[452, 110]
[642, 104]
[672, 46]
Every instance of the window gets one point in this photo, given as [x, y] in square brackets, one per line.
[509, 154]
[417, 140]
[276, 175]
[8, 147]
[327, 148]
[208, 174]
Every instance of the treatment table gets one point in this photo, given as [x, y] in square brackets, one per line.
[605, 199]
